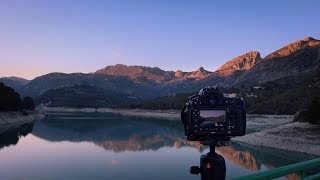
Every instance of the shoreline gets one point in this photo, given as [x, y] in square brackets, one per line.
[255, 122]
[13, 119]
[296, 136]
[274, 131]
[161, 114]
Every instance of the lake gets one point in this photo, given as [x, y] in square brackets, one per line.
[108, 146]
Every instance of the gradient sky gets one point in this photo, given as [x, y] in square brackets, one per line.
[43, 36]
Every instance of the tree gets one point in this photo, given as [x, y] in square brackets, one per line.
[9, 99]
[27, 103]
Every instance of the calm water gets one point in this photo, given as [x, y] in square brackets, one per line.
[105, 146]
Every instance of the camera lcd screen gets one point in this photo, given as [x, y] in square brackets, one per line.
[213, 115]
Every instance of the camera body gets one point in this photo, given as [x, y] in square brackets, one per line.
[209, 115]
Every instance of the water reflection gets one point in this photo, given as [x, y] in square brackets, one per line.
[135, 138]
[120, 134]
[12, 136]
[240, 157]
[114, 132]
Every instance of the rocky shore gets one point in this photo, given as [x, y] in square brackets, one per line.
[13, 119]
[297, 136]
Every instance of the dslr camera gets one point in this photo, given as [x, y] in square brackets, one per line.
[209, 115]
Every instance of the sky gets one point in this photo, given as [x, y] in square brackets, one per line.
[42, 36]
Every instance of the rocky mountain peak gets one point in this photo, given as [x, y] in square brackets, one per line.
[243, 62]
[198, 74]
[293, 47]
[120, 69]
[180, 74]
[201, 69]
[308, 39]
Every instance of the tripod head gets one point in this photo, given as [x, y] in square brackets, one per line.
[212, 165]
[216, 142]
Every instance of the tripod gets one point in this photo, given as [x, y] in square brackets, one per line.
[212, 165]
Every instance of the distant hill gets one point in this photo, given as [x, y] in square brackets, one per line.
[14, 82]
[300, 59]
[120, 84]
[84, 96]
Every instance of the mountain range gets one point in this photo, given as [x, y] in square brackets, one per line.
[137, 83]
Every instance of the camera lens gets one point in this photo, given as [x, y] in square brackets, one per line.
[212, 101]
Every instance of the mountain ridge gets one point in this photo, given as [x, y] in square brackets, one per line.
[14, 82]
[115, 70]
[293, 47]
[142, 82]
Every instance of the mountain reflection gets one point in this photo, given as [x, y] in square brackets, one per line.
[254, 157]
[242, 158]
[112, 132]
[118, 134]
[12, 136]
[140, 143]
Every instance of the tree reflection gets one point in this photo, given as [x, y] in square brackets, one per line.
[11, 137]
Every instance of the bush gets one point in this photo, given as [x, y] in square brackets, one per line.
[27, 103]
[314, 112]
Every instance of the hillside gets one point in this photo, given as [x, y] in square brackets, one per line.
[121, 84]
[300, 57]
[82, 96]
[14, 82]
[298, 60]
[243, 62]
[273, 97]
